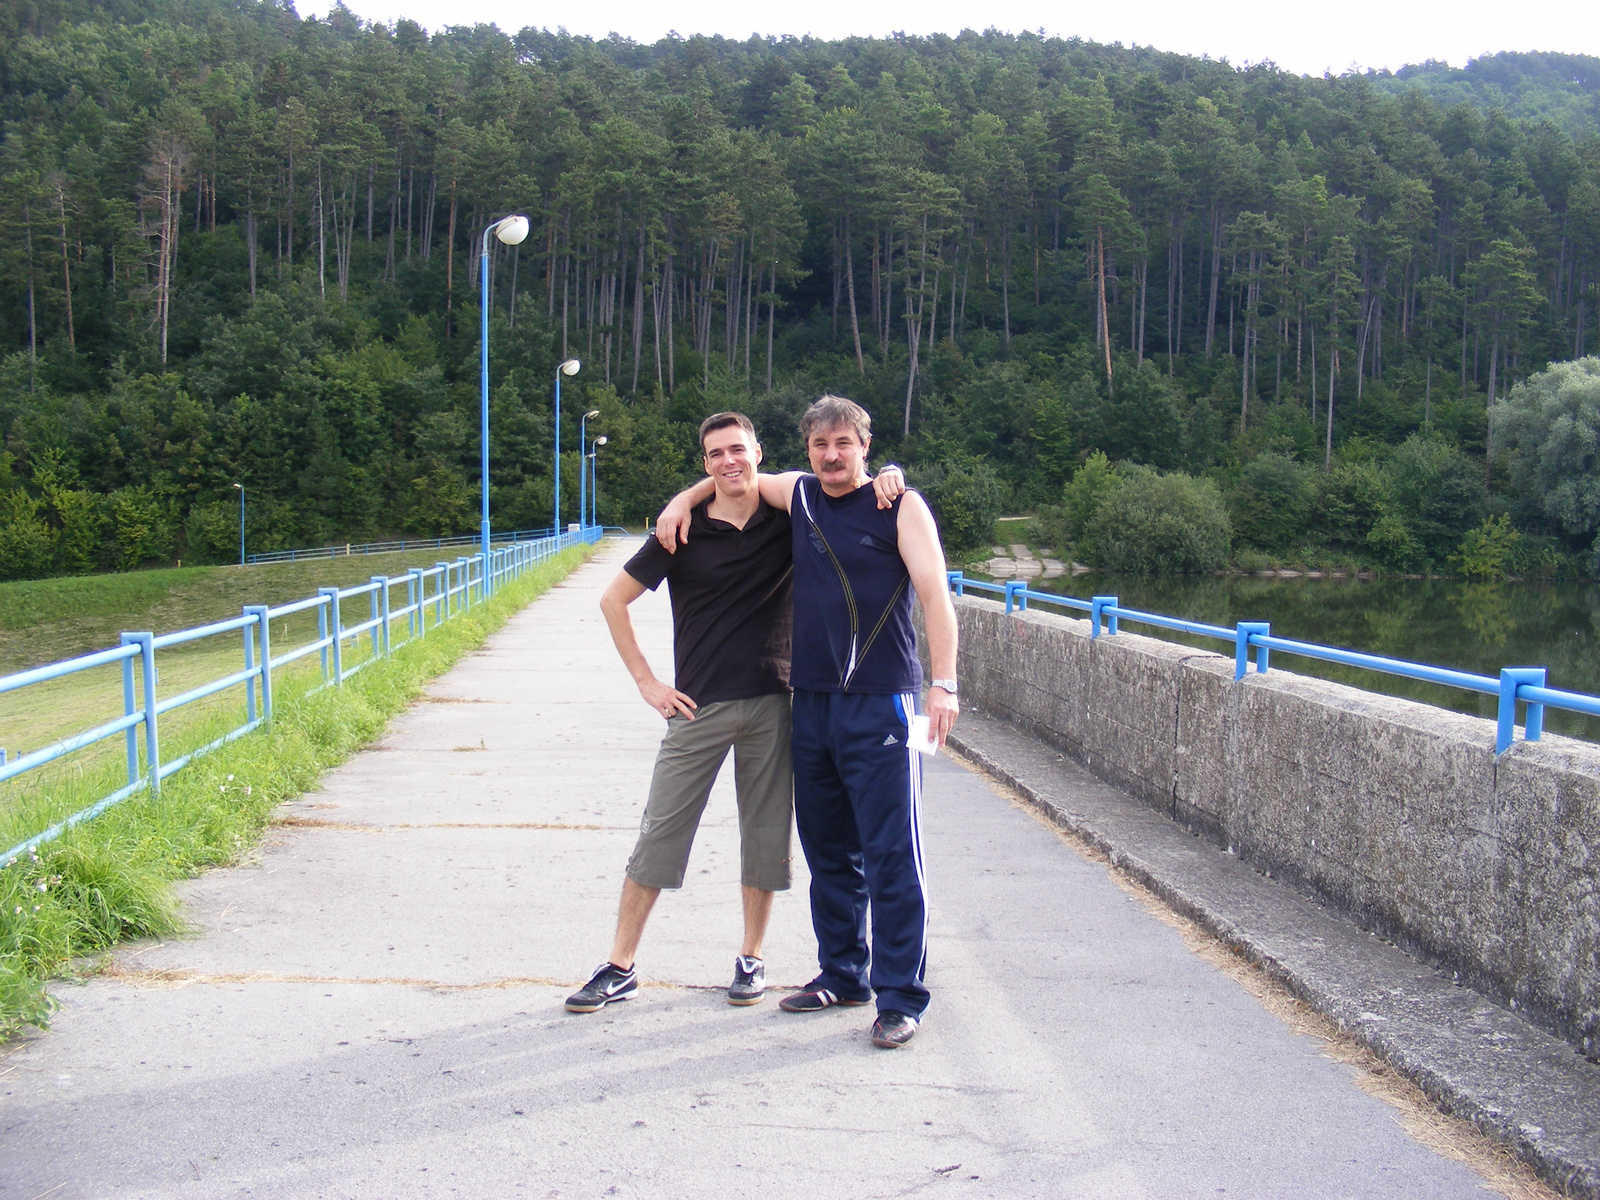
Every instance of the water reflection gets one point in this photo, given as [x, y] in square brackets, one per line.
[1478, 627]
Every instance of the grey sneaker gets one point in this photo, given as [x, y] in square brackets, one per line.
[609, 982]
[749, 981]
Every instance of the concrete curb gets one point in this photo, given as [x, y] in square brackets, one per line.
[1480, 1062]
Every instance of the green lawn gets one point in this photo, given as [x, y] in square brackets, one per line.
[45, 621]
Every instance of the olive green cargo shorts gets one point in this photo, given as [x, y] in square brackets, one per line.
[757, 730]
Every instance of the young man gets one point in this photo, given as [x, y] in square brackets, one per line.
[731, 614]
[856, 678]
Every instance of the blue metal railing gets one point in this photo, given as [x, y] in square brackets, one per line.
[432, 596]
[1524, 684]
[391, 547]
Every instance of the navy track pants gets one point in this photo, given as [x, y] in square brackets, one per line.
[858, 810]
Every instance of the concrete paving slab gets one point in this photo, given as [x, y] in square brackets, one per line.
[1075, 1046]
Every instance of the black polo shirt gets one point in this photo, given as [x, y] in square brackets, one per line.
[732, 604]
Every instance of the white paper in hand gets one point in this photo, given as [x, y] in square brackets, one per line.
[917, 735]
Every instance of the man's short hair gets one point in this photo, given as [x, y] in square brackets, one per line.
[835, 412]
[722, 420]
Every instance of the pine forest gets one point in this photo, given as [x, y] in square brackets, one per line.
[1344, 319]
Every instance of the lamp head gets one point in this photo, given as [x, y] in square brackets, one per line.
[512, 230]
[240, 486]
[570, 367]
[600, 441]
[591, 414]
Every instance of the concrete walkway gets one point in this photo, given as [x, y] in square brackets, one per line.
[372, 1008]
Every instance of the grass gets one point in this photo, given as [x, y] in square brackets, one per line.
[53, 619]
[110, 879]
[46, 620]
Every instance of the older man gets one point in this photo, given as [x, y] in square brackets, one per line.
[856, 680]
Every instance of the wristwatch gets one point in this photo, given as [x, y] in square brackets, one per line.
[948, 685]
[891, 467]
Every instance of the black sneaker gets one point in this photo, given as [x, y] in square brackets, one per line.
[893, 1029]
[814, 998]
[749, 980]
[609, 982]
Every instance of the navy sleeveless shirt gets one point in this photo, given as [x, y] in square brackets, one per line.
[852, 595]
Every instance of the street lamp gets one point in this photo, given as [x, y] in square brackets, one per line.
[570, 367]
[583, 476]
[594, 480]
[240, 486]
[510, 230]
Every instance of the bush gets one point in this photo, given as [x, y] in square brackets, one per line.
[27, 546]
[1438, 492]
[1550, 428]
[1392, 543]
[1350, 500]
[1160, 523]
[212, 532]
[1487, 551]
[1080, 499]
[965, 496]
[140, 528]
[1271, 504]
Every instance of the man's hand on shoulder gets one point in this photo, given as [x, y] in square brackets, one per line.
[888, 484]
[666, 700]
[672, 526]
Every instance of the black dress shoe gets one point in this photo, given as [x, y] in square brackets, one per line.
[893, 1029]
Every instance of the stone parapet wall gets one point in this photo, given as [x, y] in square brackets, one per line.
[1396, 812]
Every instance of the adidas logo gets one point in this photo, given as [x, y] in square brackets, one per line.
[891, 740]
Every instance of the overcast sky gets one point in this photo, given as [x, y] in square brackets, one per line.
[1308, 38]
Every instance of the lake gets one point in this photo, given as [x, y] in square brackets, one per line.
[1477, 627]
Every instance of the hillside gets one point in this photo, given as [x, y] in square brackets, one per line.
[238, 246]
[1561, 88]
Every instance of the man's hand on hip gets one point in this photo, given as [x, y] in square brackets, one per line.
[667, 701]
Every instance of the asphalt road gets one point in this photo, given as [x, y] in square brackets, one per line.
[372, 1006]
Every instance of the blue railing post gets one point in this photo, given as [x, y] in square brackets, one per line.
[1097, 610]
[336, 628]
[957, 582]
[249, 665]
[383, 582]
[152, 738]
[1241, 650]
[415, 592]
[1014, 594]
[442, 596]
[1533, 723]
[129, 707]
[376, 638]
[264, 643]
[466, 583]
[322, 631]
[1511, 678]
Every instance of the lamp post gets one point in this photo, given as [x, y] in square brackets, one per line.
[594, 479]
[583, 476]
[240, 486]
[510, 230]
[570, 367]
